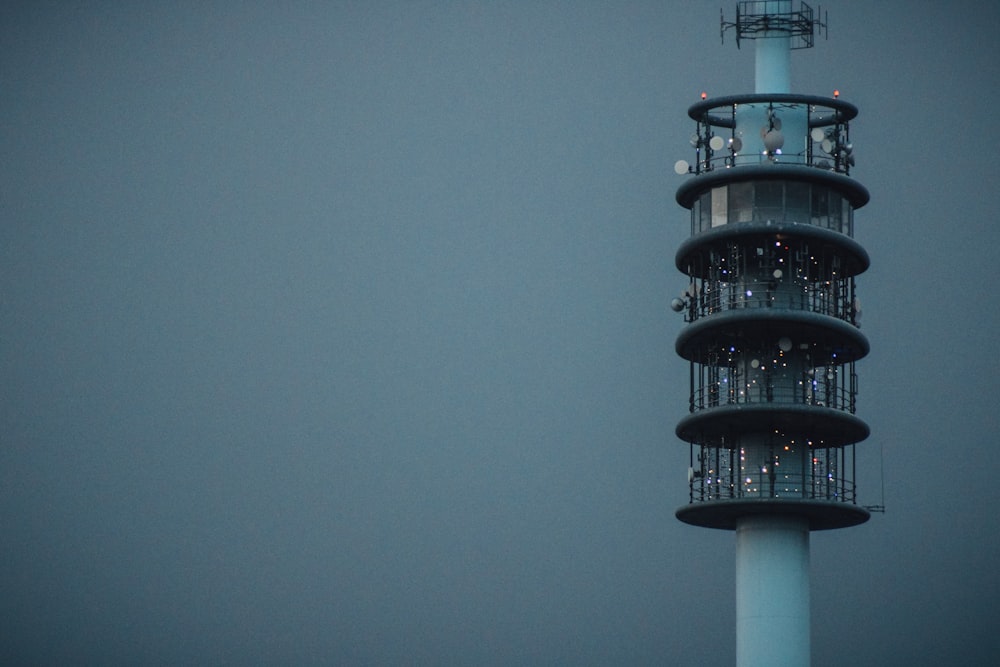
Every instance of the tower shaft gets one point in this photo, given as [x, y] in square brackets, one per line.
[772, 551]
[773, 62]
[772, 591]
[772, 330]
[772, 66]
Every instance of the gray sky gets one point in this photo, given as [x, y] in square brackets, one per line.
[339, 333]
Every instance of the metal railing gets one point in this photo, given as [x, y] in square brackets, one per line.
[832, 298]
[772, 129]
[794, 486]
[808, 389]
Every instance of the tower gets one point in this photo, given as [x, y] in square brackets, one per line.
[771, 329]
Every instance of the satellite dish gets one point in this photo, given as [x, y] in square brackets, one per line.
[785, 344]
[777, 274]
[817, 134]
[774, 140]
[677, 305]
[755, 363]
[682, 167]
[736, 144]
[690, 475]
[776, 123]
[695, 140]
[716, 143]
[826, 145]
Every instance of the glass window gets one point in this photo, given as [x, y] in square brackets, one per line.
[836, 204]
[706, 211]
[719, 206]
[769, 200]
[741, 202]
[820, 207]
[797, 202]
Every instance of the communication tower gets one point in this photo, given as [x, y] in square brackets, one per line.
[771, 328]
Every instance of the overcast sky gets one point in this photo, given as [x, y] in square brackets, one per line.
[338, 333]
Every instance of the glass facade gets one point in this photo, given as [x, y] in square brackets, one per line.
[777, 201]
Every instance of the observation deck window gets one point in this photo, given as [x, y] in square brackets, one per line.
[769, 200]
[741, 202]
[797, 205]
[720, 209]
[779, 201]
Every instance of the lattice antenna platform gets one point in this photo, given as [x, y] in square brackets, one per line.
[757, 19]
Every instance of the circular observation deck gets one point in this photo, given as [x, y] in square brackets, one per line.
[827, 339]
[831, 426]
[694, 256]
[759, 129]
[853, 192]
[725, 514]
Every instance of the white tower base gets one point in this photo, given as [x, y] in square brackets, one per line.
[772, 591]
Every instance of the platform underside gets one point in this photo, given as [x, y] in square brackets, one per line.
[724, 514]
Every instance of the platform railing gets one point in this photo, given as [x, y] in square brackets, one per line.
[831, 298]
[772, 129]
[792, 486]
[808, 389]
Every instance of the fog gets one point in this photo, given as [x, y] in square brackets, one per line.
[339, 333]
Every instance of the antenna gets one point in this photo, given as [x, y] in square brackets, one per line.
[881, 464]
[758, 19]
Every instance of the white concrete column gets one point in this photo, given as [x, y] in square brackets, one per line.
[773, 63]
[772, 591]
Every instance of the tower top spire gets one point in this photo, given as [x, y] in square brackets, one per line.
[781, 26]
[758, 19]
